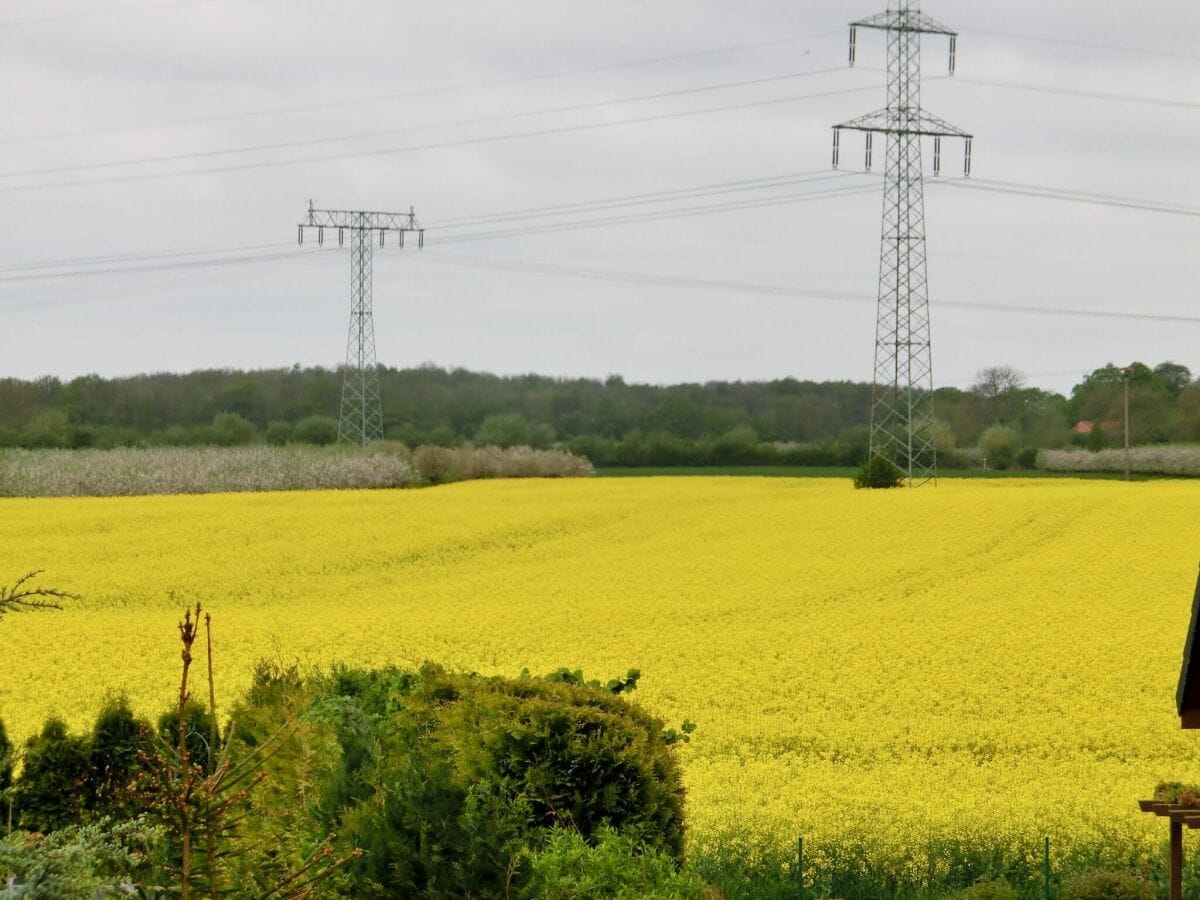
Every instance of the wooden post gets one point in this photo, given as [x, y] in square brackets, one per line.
[1176, 861]
[800, 892]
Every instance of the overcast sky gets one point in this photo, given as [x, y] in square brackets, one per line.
[458, 110]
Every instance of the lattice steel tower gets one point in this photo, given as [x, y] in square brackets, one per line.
[361, 416]
[901, 401]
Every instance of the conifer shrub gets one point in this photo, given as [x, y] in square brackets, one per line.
[200, 732]
[878, 472]
[50, 791]
[6, 760]
[119, 739]
[445, 781]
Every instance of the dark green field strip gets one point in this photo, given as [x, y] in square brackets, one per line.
[840, 472]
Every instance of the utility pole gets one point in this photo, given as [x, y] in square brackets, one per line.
[361, 416]
[901, 403]
[1126, 372]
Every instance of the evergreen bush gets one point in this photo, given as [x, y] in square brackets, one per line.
[118, 740]
[878, 472]
[51, 787]
[6, 760]
[446, 780]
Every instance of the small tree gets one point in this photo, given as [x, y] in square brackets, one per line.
[51, 787]
[505, 430]
[999, 446]
[231, 430]
[118, 742]
[878, 472]
[319, 430]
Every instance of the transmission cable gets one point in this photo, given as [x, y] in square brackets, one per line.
[462, 142]
[425, 92]
[647, 279]
[391, 132]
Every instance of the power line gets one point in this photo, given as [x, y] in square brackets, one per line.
[426, 92]
[364, 135]
[652, 197]
[1074, 196]
[1068, 92]
[127, 257]
[707, 284]
[1075, 43]
[685, 212]
[170, 266]
[411, 148]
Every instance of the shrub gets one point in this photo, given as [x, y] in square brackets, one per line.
[878, 472]
[999, 446]
[278, 433]
[6, 760]
[50, 789]
[504, 430]
[438, 465]
[434, 464]
[1027, 458]
[988, 890]
[96, 860]
[566, 867]
[118, 740]
[200, 732]
[1108, 884]
[445, 780]
[231, 430]
[319, 430]
[195, 470]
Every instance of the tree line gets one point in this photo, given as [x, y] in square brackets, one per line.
[611, 421]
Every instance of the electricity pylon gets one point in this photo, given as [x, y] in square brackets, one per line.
[361, 416]
[901, 401]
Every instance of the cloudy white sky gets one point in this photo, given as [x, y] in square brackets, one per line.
[176, 144]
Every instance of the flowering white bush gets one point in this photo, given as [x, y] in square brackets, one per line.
[195, 470]
[1166, 459]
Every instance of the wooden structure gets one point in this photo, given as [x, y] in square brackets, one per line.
[1187, 701]
[1187, 697]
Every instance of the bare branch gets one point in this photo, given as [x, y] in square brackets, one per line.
[25, 595]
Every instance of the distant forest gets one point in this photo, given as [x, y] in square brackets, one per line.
[610, 421]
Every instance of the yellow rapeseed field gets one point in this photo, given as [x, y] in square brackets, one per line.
[985, 661]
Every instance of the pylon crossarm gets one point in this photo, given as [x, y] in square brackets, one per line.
[366, 220]
[904, 20]
[904, 121]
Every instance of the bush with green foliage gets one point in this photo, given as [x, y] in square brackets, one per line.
[231, 430]
[878, 472]
[999, 446]
[278, 433]
[118, 741]
[503, 430]
[445, 780]
[94, 861]
[51, 788]
[612, 867]
[319, 430]
[997, 889]
[200, 732]
[6, 760]
[1027, 458]
[1108, 884]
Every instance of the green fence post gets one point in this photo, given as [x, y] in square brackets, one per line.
[1046, 870]
[800, 867]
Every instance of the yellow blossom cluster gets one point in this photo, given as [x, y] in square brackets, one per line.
[981, 661]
